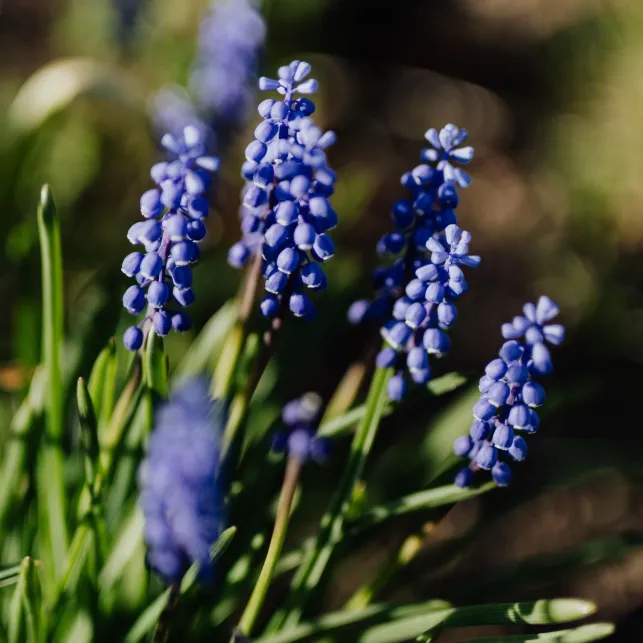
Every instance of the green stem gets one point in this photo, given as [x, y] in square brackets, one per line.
[330, 532]
[223, 379]
[284, 506]
[162, 632]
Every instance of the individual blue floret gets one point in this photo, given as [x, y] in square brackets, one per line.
[506, 409]
[427, 211]
[300, 417]
[181, 494]
[170, 234]
[286, 213]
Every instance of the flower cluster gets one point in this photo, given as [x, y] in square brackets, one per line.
[181, 495]
[173, 226]
[300, 418]
[286, 213]
[510, 394]
[428, 210]
[426, 311]
[231, 36]
[127, 13]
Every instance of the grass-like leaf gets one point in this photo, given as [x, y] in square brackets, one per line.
[51, 485]
[16, 449]
[24, 607]
[208, 344]
[428, 499]
[394, 624]
[582, 634]
[343, 424]
[88, 432]
[149, 618]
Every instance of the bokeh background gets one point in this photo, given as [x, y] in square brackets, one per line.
[550, 92]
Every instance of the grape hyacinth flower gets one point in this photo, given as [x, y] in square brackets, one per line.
[181, 495]
[300, 417]
[231, 37]
[286, 214]
[172, 109]
[426, 212]
[510, 393]
[174, 225]
[426, 311]
[127, 13]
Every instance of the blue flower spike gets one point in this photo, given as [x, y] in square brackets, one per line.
[426, 311]
[506, 411]
[286, 213]
[231, 37]
[174, 214]
[300, 418]
[181, 495]
[426, 213]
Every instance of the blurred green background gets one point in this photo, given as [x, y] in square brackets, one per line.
[550, 91]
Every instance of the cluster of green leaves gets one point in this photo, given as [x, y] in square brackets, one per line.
[73, 535]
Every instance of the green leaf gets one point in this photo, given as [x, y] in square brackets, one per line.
[82, 545]
[343, 424]
[209, 343]
[394, 624]
[24, 607]
[16, 449]
[51, 468]
[582, 634]
[428, 499]
[124, 412]
[123, 549]
[128, 460]
[54, 86]
[102, 382]
[148, 620]
[156, 367]
[88, 433]
[446, 384]
[9, 574]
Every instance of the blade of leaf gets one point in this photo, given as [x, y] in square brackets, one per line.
[9, 574]
[148, 620]
[24, 607]
[122, 550]
[343, 424]
[427, 499]
[582, 634]
[394, 624]
[209, 342]
[88, 433]
[52, 304]
[54, 86]
[16, 448]
[103, 371]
